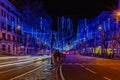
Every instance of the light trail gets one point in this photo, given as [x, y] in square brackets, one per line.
[30, 61]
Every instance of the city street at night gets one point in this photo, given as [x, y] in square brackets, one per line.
[59, 39]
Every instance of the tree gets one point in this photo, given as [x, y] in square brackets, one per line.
[104, 41]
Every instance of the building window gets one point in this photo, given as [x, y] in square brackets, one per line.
[2, 12]
[3, 36]
[14, 38]
[20, 40]
[2, 4]
[17, 39]
[3, 25]
[8, 17]
[3, 47]
[13, 47]
[8, 8]
[8, 27]
[8, 37]
[8, 48]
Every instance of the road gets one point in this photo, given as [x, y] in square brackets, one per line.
[76, 67]
[12, 68]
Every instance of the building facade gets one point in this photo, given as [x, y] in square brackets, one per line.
[102, 37]
[11, 33]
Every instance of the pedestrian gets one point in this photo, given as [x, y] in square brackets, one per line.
[55, 57]
[58, 56]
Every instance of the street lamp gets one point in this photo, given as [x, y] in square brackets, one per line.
[18, 27]
[117, 15]
[99, 28]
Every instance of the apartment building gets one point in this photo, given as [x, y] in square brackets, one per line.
[10, 29]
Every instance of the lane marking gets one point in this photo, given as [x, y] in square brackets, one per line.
[16, 68]
[10, 62]
[25, 73]
[106, 78]
[2, 58]
[90, 70]
[16, 63]
[30, 61]
[115, 68]
[61, 74]
[82, 66]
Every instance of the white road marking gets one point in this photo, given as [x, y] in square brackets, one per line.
[15, 69]
[90, 70]
[115, 68]
[106, 78]
[30, 61]
[82, 66]
[10, 62]
[25, 73]
[16, 63]
[61, 74]
[2, 58]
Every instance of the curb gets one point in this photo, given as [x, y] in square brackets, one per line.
[59, 75]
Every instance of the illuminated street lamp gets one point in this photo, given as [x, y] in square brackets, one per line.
[99, 28]
[117, 15]
[18, 27]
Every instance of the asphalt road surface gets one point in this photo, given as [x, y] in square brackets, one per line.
[9, 70]
[76, 67]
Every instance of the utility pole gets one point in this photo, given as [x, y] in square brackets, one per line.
[51, 46]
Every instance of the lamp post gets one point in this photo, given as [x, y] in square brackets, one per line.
[51, 47]
[102, 35]
[117, 16]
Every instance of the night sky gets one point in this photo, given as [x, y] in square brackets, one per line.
[79, 8]
[76, 9]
